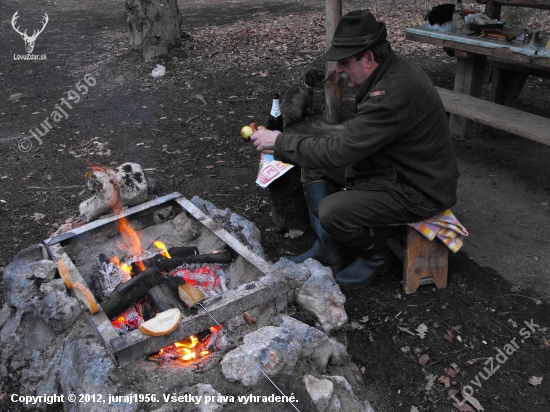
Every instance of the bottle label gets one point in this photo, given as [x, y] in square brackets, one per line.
[275, 110]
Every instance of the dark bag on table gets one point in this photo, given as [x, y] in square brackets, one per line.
[440, 14]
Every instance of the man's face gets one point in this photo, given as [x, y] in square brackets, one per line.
[356, 72]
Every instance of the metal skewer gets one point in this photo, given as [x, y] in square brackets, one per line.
[246, 354]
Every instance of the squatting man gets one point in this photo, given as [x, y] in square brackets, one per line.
[395, 158]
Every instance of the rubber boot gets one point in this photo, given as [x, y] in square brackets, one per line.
[325, 249]
[374, 258]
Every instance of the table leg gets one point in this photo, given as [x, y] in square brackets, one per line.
[506, 85]
[470, 69]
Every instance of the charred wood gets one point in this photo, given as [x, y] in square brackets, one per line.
[130, 292]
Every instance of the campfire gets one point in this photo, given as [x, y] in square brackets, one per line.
[140, 264]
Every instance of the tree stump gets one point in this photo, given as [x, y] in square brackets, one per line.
[288, 202]
[155, 26]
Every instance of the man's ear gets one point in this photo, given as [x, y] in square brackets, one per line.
[369, 57]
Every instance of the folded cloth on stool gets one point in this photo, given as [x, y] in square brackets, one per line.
[446, 227]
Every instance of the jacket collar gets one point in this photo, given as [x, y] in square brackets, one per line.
[374, 77]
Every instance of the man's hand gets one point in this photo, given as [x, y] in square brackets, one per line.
[264, 139]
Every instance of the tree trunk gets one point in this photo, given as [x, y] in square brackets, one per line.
[155, 26]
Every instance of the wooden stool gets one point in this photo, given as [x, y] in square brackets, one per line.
[424, 261]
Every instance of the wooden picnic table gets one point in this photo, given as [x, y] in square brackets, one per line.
[511, 62]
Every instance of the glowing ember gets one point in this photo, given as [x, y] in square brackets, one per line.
[205, 278]
[162, 247]
[128, 321]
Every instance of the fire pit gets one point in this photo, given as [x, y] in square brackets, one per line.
[243, 354]
[250, 280]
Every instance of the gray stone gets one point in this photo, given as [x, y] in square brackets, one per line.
[343, 398]
[320, 391]
[45, 270]
[19, 284]
[296, 274]
[321, 297]
[5, 314]
[58, 310]
[272, 348]
[84, 369]
[54, 284]
[316, 346]
[340, 355]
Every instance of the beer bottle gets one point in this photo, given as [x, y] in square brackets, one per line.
[275, 119]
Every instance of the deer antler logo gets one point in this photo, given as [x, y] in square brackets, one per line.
[29, 40]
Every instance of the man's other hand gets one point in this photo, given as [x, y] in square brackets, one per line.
[264, 139]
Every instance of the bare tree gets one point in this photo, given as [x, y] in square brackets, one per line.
[155, 26]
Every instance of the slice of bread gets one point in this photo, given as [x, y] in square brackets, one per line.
[162, 324]
[190, 295]
[64, 272]
[89, 298]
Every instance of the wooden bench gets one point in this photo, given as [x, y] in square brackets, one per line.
[424, 261]
[504, 118]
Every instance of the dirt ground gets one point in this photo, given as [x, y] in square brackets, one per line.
[183, 128]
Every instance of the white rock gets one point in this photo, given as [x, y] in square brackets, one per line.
[340, 355]
[204, 390]
[322, 298]
[320, 391]
[158, 71]
[125, 185]
[272, 349]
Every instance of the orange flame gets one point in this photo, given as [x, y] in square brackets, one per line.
[162, 247]
[190, 342]
[130, 239]
[125, 267]
[188, 354]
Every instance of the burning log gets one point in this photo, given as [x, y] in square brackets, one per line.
[128, 293]
[176, 252]
[168, 264]
[162, 299]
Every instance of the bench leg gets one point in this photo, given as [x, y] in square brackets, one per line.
[425, 262]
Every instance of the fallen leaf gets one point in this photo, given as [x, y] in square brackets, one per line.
[449, 336]
[364, 319]
[414, 409]
[450, 371]
[406, 330]
[38, 216]
[513, 323]
[363, 370]
[293, 234]
[535, 380]
[421, 330]
[355, 325]
[209, 167]
[444, 380]
[546, 342]
[431, 380]
[405, 349]
[424, 359]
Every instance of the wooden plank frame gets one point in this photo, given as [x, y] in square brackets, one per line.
[124, 349]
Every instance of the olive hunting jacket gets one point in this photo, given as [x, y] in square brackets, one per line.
[398, 141]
